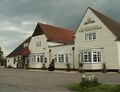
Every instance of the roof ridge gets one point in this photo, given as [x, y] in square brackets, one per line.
[54, 26]
[95, 11]
[18, 48]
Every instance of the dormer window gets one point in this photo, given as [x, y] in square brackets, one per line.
[25, 45]
[90, 36]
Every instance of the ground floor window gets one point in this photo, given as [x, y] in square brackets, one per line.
[37, 58]
[90, 56]
[61, 58]
[15, 60]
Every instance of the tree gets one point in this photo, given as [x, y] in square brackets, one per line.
[2, 59]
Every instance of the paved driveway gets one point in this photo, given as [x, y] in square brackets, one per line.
[19, 80]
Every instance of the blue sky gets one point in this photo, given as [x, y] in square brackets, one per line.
[18, 18]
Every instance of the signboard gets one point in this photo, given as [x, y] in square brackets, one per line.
[90, 28]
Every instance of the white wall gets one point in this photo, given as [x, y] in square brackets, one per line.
[37, 65]
[43, 49]
[62, 50]
[118, 54]
[10, 62]
[105, 40]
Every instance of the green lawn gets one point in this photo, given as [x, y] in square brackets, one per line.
[100, 88]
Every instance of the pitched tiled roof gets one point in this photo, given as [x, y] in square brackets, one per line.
[20, 50]
[24, 51]
[113, 25]
[55, 34]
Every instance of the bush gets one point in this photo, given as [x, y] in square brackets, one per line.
[68, 67]
[104, 70]
[89, 81]
[81, 68]
[44, 67]
[27, 65]
[51, 66]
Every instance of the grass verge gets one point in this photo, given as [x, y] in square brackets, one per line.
[100, 88]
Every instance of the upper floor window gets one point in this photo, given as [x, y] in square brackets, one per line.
[25, 45]
[90, 36]
[38, 43]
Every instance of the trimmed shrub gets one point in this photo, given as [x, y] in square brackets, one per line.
[51, 66]
[44, 67]
[104, 70]
[81, 68]
[89, 81]
[68, 67]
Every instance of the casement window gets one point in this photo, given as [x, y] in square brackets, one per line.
[39, 58]
[38, 43]
[42, 58]
[55, 58]
[15, 60]
[66, 57]
[90, 36]
[45, 60]
[32, 58]
[90, 56]
[61, 58]
[25, 45]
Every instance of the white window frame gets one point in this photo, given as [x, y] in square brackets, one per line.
[84, 56]
[37, 58]
[61, 58]
[38, 43]
[90, 36]
[25, 45]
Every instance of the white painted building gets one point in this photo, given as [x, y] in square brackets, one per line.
[63, 54]
[95, 42]
[38, 50]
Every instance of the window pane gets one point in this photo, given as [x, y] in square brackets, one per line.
[85, 56]
[62, 58]
[55, 58]
[89, 57]
[66, 57]
[94, 35]
[90, 36]
[81, 57]
[38, 59]
[38, 43]
[42, 58]
[59, 58]
[99, 56]
[94, 58]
